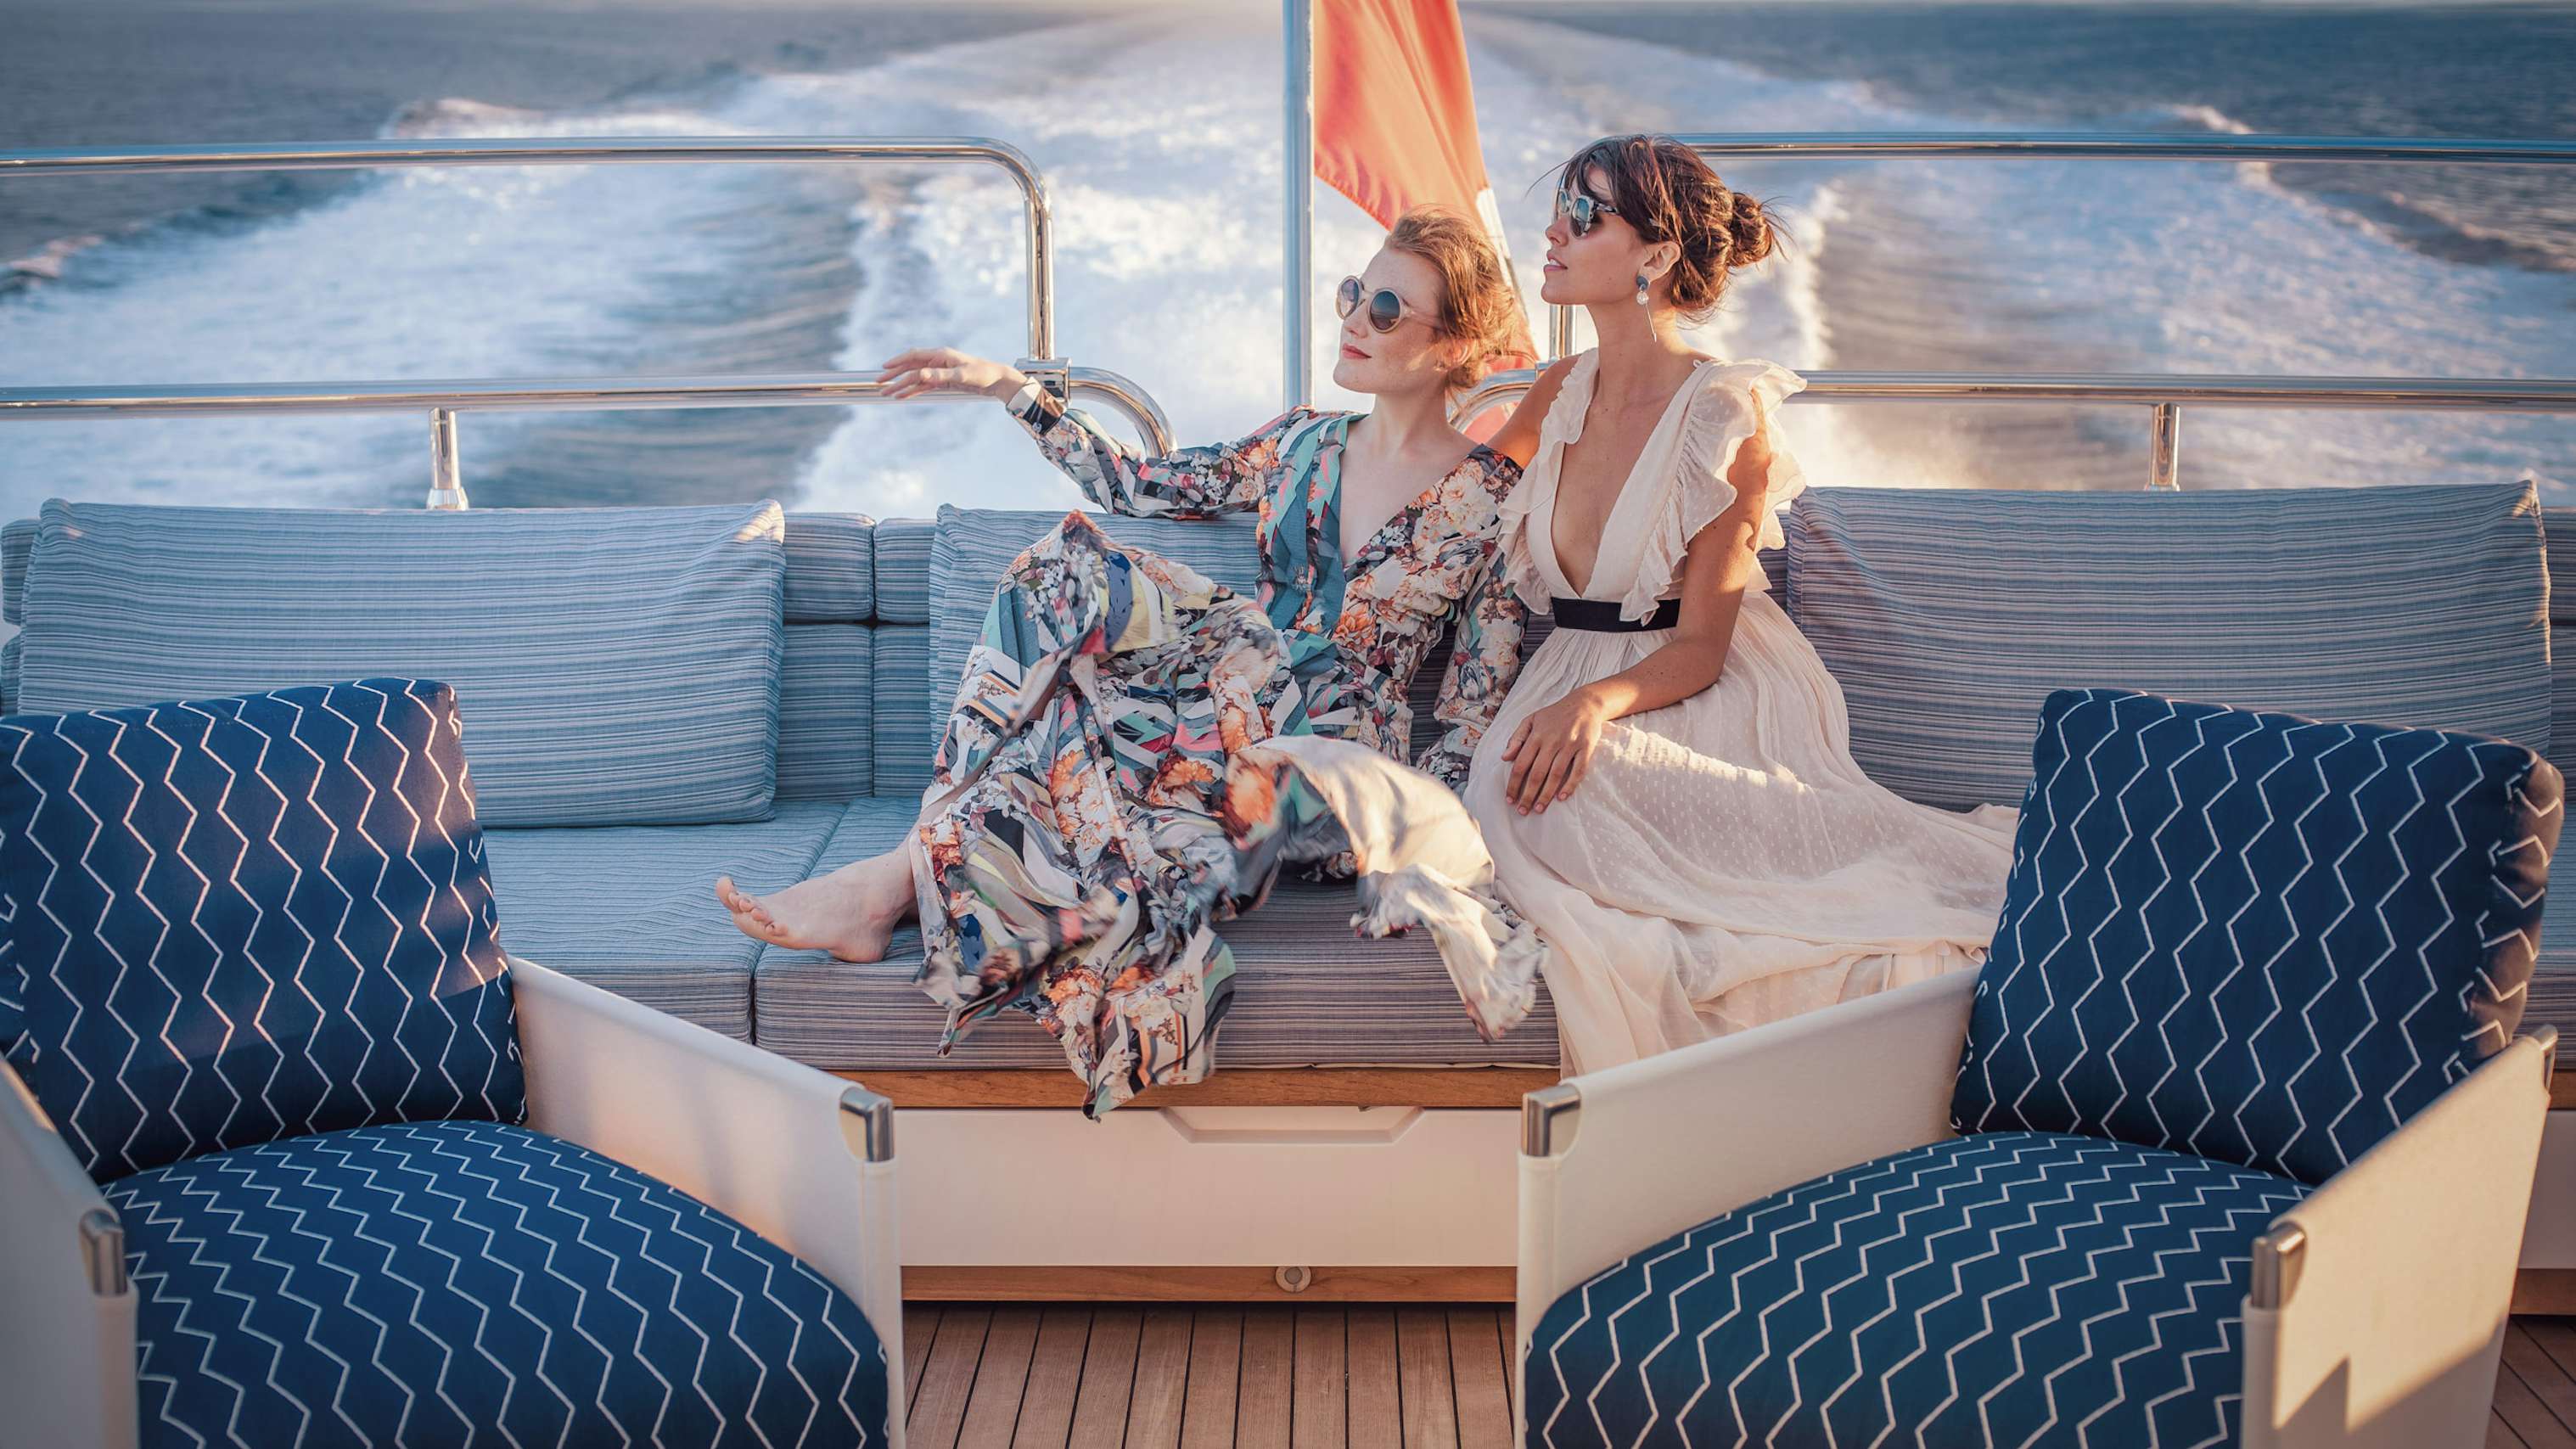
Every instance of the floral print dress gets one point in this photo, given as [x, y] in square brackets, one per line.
[1088, 823]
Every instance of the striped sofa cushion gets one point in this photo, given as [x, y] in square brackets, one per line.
[826, 703]
[1948, 616]
[827, 706]
[831, 568]
[2553, 977]
[2560, 526]
[906, 724]
[631, 908]
[827, 685]
[2553, 971]
[1294, 1006]
[288, 927]
[974, 545]
[620, 665]
[901, 550]
[17, 541]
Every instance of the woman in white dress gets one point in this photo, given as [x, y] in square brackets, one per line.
[1668, 791]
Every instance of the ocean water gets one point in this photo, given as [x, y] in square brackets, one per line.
[1158, 130]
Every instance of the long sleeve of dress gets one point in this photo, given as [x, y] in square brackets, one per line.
[1482, 664]
[1187, 483]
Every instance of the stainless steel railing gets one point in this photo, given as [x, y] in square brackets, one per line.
[2084, 146]
[2163, 394]
[444, 400]
[580, 394]
[599, 151]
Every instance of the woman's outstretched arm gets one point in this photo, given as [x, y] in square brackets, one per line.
[1518, 439]
[1186, 483]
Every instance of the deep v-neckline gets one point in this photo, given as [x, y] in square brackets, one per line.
[1369, 541]
[1627, 481]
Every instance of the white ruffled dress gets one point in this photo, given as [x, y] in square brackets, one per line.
[1724, 863]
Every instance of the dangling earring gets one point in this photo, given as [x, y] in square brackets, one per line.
[1642, 299]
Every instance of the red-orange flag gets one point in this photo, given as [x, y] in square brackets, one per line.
[1395, 115]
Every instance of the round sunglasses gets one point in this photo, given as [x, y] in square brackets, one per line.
[1581, 210]
[1386, 310]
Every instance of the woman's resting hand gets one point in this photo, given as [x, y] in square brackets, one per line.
[1552, 749]
[922, 370]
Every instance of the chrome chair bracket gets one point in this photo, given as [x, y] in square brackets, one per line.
[2278, 1257]
[1549, 1117]
[876, 1116]
[103, 1249]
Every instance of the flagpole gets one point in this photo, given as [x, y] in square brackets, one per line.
[1298, 21]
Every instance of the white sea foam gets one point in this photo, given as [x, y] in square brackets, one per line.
[1160, 145]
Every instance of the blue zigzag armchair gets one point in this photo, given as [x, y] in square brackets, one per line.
[291, 1152]
[2230, 1141]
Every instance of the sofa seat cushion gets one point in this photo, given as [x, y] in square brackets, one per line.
[632, 908]
[1306, 993]
[240, 919]
[2003, 1288]
[618, 666]
[1947, 615]
[447, 1283]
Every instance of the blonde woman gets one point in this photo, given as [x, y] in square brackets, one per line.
[1088, 822]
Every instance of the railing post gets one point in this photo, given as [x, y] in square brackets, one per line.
[1297, 204]
[2166, 444]
[446, 488]
[1560, 331]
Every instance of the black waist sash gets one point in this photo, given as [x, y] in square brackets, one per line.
[1600, 616]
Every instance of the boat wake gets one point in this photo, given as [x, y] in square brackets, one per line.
[1162, 154]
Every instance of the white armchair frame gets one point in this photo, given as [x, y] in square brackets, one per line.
[2377, 1308]
[799, 1156]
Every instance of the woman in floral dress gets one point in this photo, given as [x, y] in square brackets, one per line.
[1089, 820]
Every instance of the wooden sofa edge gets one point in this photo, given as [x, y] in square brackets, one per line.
[1485, 1087]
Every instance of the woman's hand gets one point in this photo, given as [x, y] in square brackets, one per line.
[945, 369]
[1552, 749]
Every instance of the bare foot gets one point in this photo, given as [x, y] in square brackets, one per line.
[851, 912]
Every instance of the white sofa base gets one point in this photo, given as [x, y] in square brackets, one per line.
[1254, 1190]
[1214, 1202]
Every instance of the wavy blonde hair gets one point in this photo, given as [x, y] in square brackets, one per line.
[1477, 302]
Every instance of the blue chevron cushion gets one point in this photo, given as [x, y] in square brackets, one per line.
[2004, 1288]
[469, 1282]
[2252, 936]
[242, 919]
